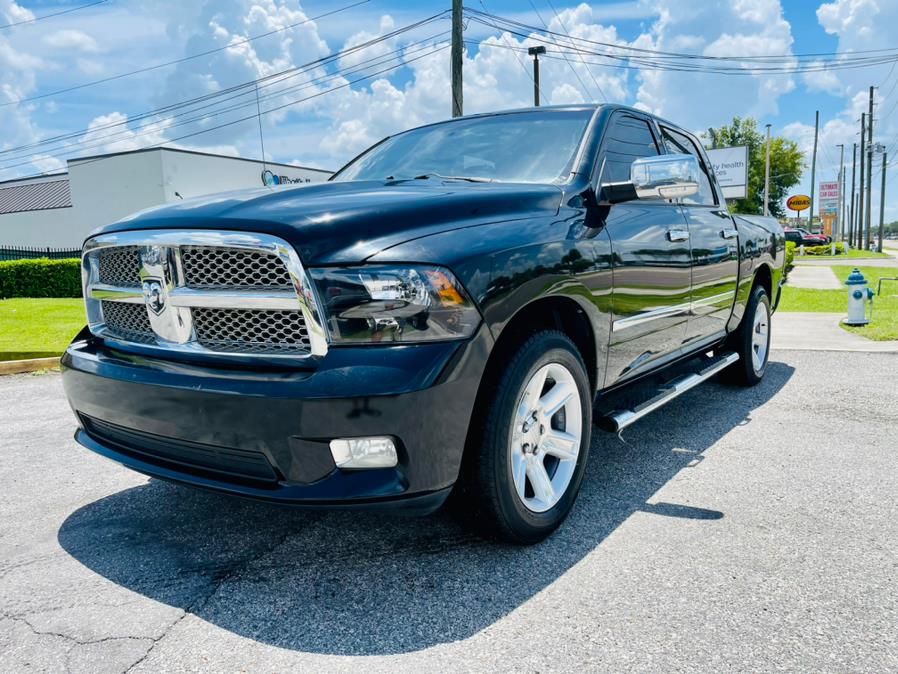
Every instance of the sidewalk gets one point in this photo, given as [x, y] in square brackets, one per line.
[815, 277]
[820, 332]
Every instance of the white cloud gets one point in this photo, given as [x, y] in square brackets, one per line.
[737, 28]
[72, 39]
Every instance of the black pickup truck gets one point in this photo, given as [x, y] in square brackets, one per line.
[449, 315]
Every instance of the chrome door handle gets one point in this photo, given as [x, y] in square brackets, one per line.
[677, 234]
[722, 214]
[729, 233]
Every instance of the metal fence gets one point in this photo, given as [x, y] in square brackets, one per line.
[34, 252]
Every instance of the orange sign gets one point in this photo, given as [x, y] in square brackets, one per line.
[799, 202]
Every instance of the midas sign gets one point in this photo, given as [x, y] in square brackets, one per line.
[799, 202]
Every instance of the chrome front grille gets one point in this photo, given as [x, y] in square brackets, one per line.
[128, 321]
[120, 266]
[206, 267]
[250, 331]
[216, 293]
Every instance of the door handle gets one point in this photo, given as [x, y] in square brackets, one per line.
[729, 233]
[722, 214]
[677, 234]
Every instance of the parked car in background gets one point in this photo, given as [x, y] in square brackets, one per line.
[450, 314]
[804, 237]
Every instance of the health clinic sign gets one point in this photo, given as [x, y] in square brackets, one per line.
[270, 179]
[731, 168]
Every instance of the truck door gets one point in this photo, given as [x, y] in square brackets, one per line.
[714, 243]
[650, 258]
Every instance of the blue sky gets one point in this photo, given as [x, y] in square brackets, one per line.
[120, 35]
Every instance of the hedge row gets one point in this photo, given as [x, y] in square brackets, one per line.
[40, 278]
[825, 249]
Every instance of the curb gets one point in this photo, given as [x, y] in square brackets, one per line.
[30, 365]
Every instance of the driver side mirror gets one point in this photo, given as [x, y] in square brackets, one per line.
[671, 176]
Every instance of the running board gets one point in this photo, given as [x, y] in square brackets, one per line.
[616, 421]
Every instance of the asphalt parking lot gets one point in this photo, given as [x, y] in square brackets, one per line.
[735, 530]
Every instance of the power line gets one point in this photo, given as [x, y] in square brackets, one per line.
[157, 66]
[564, 28]
[50, 16]
[518, 58]
[166, 125]
[836, 56]
[274, 109]
[225, 95]
[570, 65]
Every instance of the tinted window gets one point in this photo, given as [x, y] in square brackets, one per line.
[677, 143]
[628, 138]
[533, 147]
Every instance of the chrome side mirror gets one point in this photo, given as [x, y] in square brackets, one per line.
[671, 176]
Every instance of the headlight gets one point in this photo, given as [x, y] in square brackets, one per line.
[394, 304]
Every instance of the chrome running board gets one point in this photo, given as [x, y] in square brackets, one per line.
[616, 421]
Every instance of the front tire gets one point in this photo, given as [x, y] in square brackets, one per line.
[526, 460]
[752, 340]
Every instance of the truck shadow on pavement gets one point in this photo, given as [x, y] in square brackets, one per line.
[371, 584]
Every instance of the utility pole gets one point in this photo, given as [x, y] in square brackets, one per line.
[860, 200]
[767, 176]
[814, 169]
[841, 220]
[869, 173]
[851, 197]
[882, 203]
[535, 52]
[456, 59]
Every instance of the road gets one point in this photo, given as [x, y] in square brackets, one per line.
[735, 530]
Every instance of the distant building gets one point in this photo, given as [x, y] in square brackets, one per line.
[59, 210]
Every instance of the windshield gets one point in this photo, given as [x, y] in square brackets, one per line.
[529, 147]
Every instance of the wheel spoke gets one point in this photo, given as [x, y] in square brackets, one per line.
[519, 474]
[560, 444]
[539, 480]
[557, 397]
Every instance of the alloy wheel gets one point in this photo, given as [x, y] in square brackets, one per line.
[545, 437]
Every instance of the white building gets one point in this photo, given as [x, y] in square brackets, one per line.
[59, 210]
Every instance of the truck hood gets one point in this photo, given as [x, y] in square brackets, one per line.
[347, 222]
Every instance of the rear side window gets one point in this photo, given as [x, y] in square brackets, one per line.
[678, 143]
[629, 138]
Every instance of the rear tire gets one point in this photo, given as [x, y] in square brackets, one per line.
[525, 461]
[751, 341]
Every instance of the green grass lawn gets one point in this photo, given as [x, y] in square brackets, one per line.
[885, 306]
[38, 328]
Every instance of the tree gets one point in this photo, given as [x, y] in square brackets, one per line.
[786, 164]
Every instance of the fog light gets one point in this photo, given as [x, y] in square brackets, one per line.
[377, 452]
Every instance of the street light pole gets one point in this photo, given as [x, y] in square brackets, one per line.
[841, 218]
[882, 203]
[814, 170]
[869, 174]
[767, 176]
[851, 195]
[535, 52]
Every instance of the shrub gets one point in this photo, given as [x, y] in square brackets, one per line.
[790, 256]
[824, 250]
[40, 278]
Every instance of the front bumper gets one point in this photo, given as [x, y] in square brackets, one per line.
[265, 433]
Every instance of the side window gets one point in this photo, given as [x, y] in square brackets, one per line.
[628, 138]
[677, 143]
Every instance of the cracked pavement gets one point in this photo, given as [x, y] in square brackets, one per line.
[732, 530]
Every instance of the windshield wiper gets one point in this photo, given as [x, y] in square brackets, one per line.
[470, 179]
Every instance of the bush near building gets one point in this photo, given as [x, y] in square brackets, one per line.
[40, 278]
